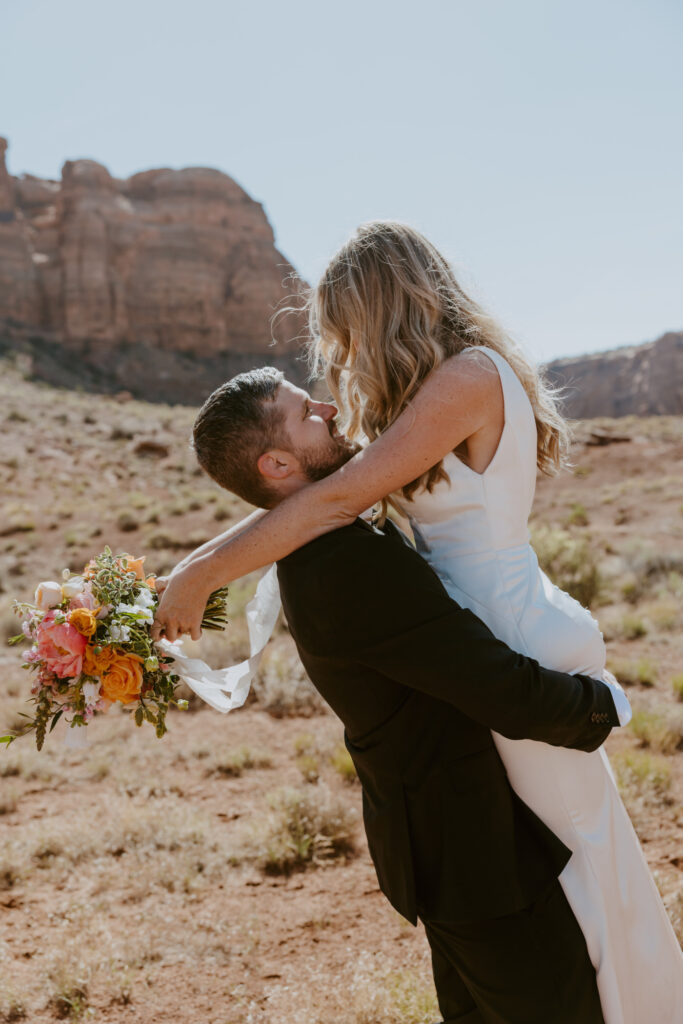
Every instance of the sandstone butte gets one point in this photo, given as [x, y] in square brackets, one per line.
[162, 284]
[640, 380]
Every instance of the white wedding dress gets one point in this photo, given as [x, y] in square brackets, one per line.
[473, 532]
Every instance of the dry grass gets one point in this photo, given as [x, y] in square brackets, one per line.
[233, 763]
[634, 673]
[569, 561]
[660, 730]
[304, 827]
[369, 991]
[282, 687]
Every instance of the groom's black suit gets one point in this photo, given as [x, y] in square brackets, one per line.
[418, 683]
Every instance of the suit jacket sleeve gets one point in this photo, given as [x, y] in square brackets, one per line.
[376, 602]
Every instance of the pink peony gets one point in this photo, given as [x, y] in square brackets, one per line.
[61, 647]
[84, 599]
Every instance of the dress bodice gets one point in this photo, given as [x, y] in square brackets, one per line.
[479, 511]
[473, 530]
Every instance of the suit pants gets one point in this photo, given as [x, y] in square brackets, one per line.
[530, 967]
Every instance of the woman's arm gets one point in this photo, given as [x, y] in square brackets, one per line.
[221, 539]
[457, 402]
[211, 545]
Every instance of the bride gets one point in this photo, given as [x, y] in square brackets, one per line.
[456, 423]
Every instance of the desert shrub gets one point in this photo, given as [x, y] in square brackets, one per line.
[630, 627]
[674, 907]
[577, 515]
[664, 614]
[233, 763]
[9, 799]
[635, 673]
[342, 762]
[282, 687]
[370, 991]
[677, 686]
[569, 562]
[659, 730]
[645, 773]
[304, 827]
[12, 1007]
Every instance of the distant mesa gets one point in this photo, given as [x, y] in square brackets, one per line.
[643, 380]
[162, 284]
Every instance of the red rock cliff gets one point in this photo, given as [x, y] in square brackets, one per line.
[169, 276]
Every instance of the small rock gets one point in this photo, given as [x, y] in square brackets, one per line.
[127, 522]
[152, 447]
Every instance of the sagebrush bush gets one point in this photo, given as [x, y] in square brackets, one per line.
[370, 991]
[282, 687]
[569, 561]
[661, 730]
[304, 827]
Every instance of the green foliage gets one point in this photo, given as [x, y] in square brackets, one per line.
[577, 515]
[656, 729]
[632, 627]
[305, 828]
[677, 686]
[635, 673]
[569, 562]
[234, 763]
[648, 774]
[342, 762]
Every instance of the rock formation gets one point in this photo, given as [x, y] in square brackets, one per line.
[643, 380]
[163, 283]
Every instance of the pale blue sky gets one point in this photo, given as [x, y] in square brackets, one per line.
[538, 144]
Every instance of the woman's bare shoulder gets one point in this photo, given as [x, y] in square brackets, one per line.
[472, 369]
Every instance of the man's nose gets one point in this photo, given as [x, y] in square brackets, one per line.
[328, 412]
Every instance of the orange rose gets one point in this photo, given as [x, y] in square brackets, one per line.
[95, 664]
[133, 565]
[151, 582]
[84, 620]
[122, 681]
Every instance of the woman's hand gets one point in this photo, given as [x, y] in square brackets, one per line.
[183, 600]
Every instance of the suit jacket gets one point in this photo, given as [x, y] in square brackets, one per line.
[419, 682]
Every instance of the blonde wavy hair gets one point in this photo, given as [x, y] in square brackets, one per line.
[388, 311]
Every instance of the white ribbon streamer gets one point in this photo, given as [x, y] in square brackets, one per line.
[227, 688]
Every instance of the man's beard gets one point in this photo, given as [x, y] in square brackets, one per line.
[319, 462]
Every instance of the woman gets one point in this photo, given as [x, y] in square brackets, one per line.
[458, 423]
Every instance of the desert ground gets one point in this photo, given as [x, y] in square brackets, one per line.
[220, 875]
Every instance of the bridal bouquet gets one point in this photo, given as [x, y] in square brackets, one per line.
[91, 646]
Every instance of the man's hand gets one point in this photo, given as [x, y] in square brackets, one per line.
[183, 601]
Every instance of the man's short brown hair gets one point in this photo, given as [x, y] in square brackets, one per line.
[235, 426]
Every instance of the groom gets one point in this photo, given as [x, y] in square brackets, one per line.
[419, 683]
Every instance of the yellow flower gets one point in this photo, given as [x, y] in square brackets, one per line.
[84, 620]
[122, 681]
[95, 664]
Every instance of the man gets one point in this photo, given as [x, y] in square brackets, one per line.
[419, 683]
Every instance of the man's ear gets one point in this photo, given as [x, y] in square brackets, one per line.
[277, 464]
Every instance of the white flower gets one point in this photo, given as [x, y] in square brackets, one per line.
[91, 693]
[73, 586]
[126, 609]
[119, 633]
[141, 612]
[145, 599]
[48, 595]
